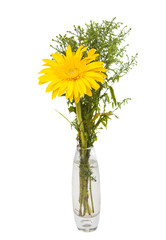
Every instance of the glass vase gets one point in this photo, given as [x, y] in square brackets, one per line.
[86, 189]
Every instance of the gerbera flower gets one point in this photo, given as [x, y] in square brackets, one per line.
[72, 74]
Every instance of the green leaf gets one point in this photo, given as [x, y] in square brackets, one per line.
[116, 116]
[64, 117]
[72, 109]
[95, 117]
[112, 94]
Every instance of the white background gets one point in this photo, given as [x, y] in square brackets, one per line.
[37, 145]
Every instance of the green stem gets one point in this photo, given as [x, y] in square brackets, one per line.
[91, 195]
[84, 195]
[81, 125]
[81, 197]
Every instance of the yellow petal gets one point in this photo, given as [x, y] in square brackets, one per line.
[100, 80]
[93, 65]
[76, 90]
[47, 70]
[82, 85]
[98, 77]
[70, 88]
[40, 83]
[86, 83]
[91, 52]
[93, 83]
[80, 89]
[53, 86]
[80, 51]
[95, 74]
[69, 52]
[99, 70]
[49, 62]
[88, 92]
[54, 93]
[58, 57]
[90, 59]
[71, 97]
[63, 88]
[43, 79]
[77, 99]
[103, 75]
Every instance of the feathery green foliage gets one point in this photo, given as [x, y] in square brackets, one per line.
[108, 39]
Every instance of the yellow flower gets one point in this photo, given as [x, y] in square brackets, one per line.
[72, 74]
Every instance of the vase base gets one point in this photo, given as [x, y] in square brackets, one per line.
[87, 224]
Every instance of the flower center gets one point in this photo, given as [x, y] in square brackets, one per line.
[73, 73]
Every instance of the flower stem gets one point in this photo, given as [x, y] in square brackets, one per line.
[91, 195]
[81, 125]
[84, 179]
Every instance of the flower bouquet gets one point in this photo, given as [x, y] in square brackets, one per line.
[83, 68]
